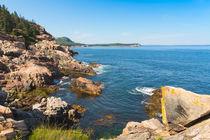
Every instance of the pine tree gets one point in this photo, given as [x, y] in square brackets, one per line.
[13, 24]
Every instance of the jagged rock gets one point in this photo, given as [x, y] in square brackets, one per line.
[185, 115]
[26, 103]
[24, 69]
[153, 108]
[29, 76]
[48, 110]
[13, 127]
[54, 109]
[63, 57]
[200, 131]
[86, 86]
[146, 130]
[94, 64]
[183, 107]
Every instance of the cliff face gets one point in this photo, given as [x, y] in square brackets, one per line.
[24, 68]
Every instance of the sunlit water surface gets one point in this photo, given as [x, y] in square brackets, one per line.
[129, 75]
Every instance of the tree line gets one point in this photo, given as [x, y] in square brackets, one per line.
[13, 24]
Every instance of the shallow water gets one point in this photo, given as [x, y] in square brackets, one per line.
[129, 75]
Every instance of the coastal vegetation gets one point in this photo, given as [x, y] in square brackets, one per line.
[68, 42]
[55, 133]
[116, 44]
[15, 25]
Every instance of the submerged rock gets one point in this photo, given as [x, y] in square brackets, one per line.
[86, 86]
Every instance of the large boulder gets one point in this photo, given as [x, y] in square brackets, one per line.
[185, 115]
[86, 86]
[183, 107]
[146, 130]
[56, 110]
[28, 77]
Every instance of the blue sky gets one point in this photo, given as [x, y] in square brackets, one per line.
[105, 21]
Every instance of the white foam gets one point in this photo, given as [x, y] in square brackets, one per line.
[62, 81]
[145, 90]
[85, 63]
[102, 69]
[142, 90]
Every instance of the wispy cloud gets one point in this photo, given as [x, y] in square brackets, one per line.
[162, 38]
[77, 35]
[125, 34]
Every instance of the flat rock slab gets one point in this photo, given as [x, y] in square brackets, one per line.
[180, 106]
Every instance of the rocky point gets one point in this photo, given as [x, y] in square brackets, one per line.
[185, 115]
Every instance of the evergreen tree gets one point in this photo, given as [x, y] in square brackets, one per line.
[13, 24]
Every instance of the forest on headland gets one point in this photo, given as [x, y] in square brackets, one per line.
[14, 25]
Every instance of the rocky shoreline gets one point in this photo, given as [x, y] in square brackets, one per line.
[27, 74]
[185, 116]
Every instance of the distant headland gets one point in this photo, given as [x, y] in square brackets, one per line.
[68, 42]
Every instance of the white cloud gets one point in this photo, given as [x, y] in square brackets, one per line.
[125, 34]
[78, 36]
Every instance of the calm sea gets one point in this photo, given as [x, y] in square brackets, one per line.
[129, 75]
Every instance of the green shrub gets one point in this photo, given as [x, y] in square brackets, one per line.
[159, 138]
[55, 133]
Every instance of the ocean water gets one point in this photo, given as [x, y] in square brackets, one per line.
[129, 76]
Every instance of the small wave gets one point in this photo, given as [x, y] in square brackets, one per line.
[102, 69]
[85, 63]
[63, 81]
[145, 90]
[142, 90]
[144, 102]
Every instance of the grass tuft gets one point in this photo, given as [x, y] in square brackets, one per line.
[55, 133]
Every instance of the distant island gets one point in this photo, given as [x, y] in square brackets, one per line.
[68, 42]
